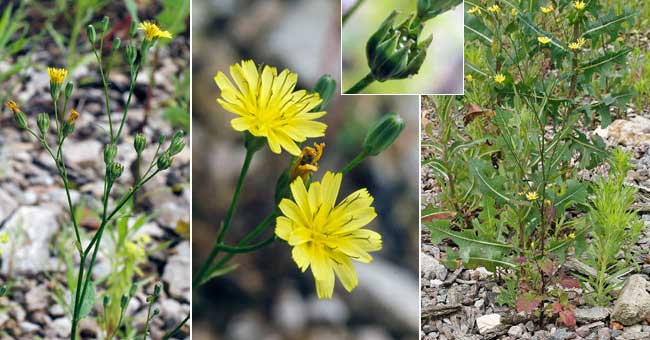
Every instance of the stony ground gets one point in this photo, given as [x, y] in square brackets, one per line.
[33, 208]
[461, 304]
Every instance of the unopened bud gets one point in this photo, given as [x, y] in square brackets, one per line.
[43, 122]
[110, 151]
[177, 144]
[325, 86]
[105, 22]
[115, 170]
[107, 300]
[164, 161]
[90, 32]
[68, 89]
[383, 134]
[116, 43]
[139, 142]
[124, 301]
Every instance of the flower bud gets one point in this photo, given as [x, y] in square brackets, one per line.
[105, 22]
[110, 151]
[429, 9]
[394, 52]
[133, 29]
[115, 170]
[133, 290]
[130, 54]
[162, 138]
[43, 122]
[68, 89]
[164, 161]
[116, 43]
[139, 142]
[21, 120]
[156, 289]
[124, 301]
[107, 300]
[90, 32]
[253, 143]
[325, 86]
[383, 134]
[3, 290]
[156, 311]
[177, 144]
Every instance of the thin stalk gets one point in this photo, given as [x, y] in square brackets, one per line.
[246, 249]
[177, 328]
[361, 84]
[353, 163]
[351, 11]
[106, 98]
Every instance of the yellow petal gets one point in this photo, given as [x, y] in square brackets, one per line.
[283, 227]
[300, 255]
[344, 269]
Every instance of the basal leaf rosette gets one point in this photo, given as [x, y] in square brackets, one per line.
[327, 236]
[267, 105]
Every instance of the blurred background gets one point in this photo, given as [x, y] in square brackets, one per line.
[442, 71]
[267, 297]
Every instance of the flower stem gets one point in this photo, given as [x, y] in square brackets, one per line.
[351, 11]
[226, 224]
[353, 163]
[177, 328]
[246, 249]
[361, 84]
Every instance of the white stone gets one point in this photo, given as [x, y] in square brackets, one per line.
[178, 271]
[488, 323]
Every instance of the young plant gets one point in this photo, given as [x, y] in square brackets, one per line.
[614, 228]
[398, 52]
[83, 290]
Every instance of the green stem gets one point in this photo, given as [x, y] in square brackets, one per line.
[353, 163]
[106, 98]
[361, 84]
[351, 11]
[177, 328]
[246, 249]
[226, 225]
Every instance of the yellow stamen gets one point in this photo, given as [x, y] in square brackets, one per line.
[543, 40]
[531, 196]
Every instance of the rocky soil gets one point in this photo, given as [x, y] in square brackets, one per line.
[34, 212]
[461, 304]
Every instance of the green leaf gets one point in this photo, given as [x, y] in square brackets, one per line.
[610, 24]
[539, 32]
[216, 272]
[173, 16]
[601, 64]
[491, 184]
[88, 301]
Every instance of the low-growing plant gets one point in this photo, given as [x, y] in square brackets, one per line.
[507, 154]
[614, 229]
[83, 288]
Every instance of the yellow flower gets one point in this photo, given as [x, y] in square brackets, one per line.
[469, 78]
[267, 106]
[499, 78]
[4, 238]
[152, 31]
[578, 44]
[531, 196]
[547, 202]
[57, 75]
[579, 5]
[513, 11]
[548, 9]
[494, 9]
[474, 10]
[572, 236]
[532, 245]
[307, 161]
[73, 116]
[13, 106]
[326, 235]
[544, 40]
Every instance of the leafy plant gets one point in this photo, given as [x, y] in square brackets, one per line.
[614, 228]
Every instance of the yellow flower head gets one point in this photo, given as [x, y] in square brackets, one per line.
[572, 236]
[326, 236]
[544, 40]
[578, 44]
[469, 78]
[474, 10]
[579, 5]
[57, 75]
[13, 106]
[73, 116]
[531, 196]
[548, 9]
[547, 202]
[513, 11]
[494, 9]
[499, 78]
[307, 161]
[267, 106]
[4, 238]
[152, 31]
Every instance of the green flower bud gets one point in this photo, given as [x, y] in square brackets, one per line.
[162, 138]
[107, 300]
[115, 170]
[68, 89]
[43, 122]
[90, 32]
[156, 289]
[164, 161]
[133, 29]
[110, 151]
[21, 120]
[394, 52]
[139, 142]
[156, 311]
[133, 290]
[253, 143]
[130, 54]
[325, 86]
[177, 144]
[383, 134]
[429, 9]
[124, 301]
[105, 22]
[116, 43]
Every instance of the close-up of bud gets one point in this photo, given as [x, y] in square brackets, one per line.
[139, 142]
[325, 87]
[69, 124]
[130, 54]
[383, 134]
[105, 22]
[19, 116]
[43, 122]
[164, 161]
[177, 144]
[69, 87]
[110, 151]
[116, 44]
[394, 52]
[90, 32]
[124, 301]
[114, 170]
